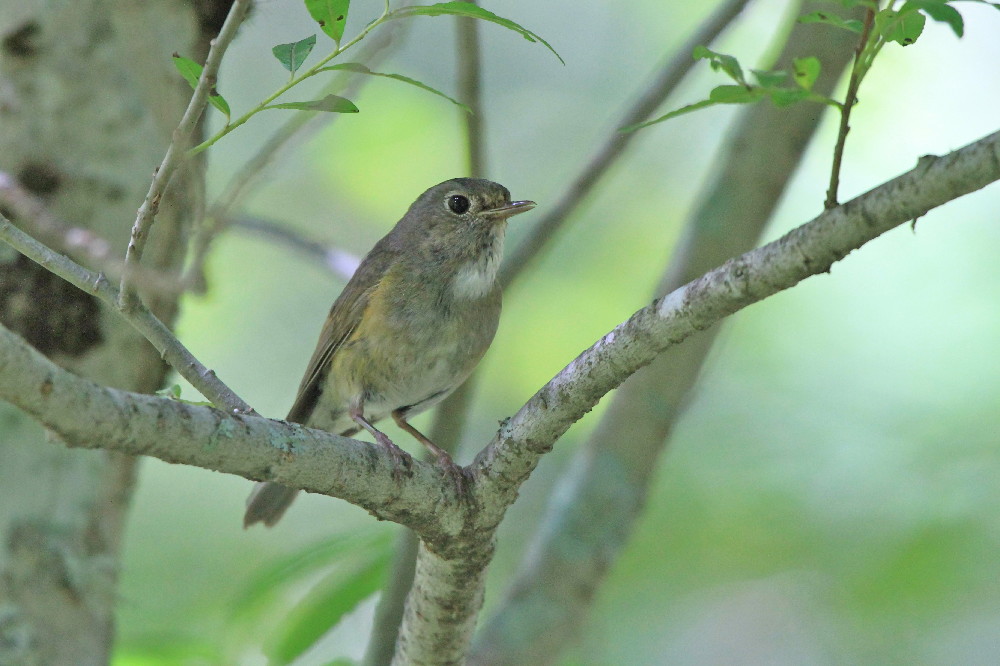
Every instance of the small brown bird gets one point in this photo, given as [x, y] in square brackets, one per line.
[409, 327]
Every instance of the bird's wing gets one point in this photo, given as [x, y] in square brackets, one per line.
[345, 316]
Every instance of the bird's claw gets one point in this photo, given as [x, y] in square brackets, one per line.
[400, 459]
[458, 473]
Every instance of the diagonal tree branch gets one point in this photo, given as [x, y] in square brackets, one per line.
[807, 250]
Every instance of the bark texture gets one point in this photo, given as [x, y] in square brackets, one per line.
[87, 99]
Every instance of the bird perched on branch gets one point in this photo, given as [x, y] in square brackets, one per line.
[409, 327]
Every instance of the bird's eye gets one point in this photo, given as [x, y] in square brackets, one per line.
[458, 204]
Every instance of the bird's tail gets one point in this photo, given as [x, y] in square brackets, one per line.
[268, 503]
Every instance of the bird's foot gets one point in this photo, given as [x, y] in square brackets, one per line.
[401, 460]
[457, 473]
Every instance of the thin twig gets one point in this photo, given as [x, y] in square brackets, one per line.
[171, 349]
[857, 73]
[296, 79]
[175, 152]
[389, 612]
[667, 79]
[336, 261]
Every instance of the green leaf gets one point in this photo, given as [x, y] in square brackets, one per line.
[673, 114]
[902, 27]
[939, 11]
[291, 56]
[806, 71]
[167, 646]
[173, 392]
[331, 103]
[769, 79]
[361, 69]
[325, 605]
[829, 18]
[782, 97]
[720, 61]
[191, 71]
[735, 95]
[471, 11]
[331, 16]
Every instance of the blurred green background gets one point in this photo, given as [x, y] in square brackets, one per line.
[831, 494]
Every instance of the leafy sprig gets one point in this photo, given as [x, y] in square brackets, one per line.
[772, 85]
[331, 16]
[899, 23]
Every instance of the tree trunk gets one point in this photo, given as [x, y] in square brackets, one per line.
[88, 100]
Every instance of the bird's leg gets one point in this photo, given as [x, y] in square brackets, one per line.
[399, 457]
[443, 457]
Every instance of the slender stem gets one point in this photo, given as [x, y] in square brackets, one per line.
[294, 81]
[174, 155]
[470, 90]
[338, 262]
[389, 612]
[861, 66]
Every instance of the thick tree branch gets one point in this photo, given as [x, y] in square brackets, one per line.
[88, 415]
[442, 607]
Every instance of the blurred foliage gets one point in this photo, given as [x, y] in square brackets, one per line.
[830, 496]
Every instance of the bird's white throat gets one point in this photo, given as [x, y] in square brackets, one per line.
[475, 279]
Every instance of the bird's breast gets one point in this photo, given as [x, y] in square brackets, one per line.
[475, 278]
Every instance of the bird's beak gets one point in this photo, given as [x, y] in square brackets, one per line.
[507, 210]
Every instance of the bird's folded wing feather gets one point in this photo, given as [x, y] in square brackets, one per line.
[345, 316]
